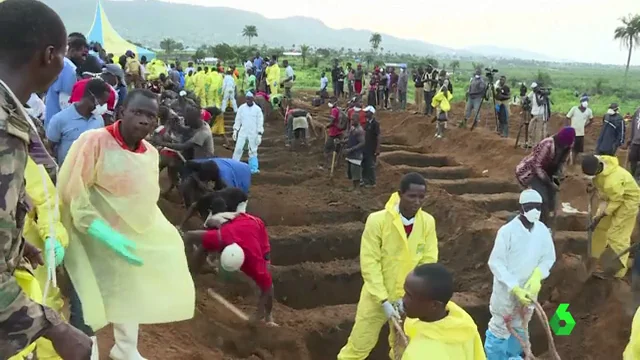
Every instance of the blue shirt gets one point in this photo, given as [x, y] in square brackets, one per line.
[233, 172]
[66, 127]
[63, 85]
[257, 63]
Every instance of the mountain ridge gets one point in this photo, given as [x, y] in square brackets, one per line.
[227, 24]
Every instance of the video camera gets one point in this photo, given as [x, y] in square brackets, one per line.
[544, 91]
[489, 73]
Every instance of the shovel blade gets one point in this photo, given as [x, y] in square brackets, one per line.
[610, 261]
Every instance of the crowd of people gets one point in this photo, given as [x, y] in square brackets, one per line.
[91, 206]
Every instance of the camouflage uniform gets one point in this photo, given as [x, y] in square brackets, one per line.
[21, 320]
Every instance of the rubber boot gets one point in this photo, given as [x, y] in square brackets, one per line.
[126, 346]
[253, 165]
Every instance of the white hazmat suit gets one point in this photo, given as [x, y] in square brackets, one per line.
[248, 129]
[229, 93]
[516, 254]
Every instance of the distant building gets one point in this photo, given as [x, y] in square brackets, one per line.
[291, 53]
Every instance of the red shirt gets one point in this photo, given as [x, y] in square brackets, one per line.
[408, 229]
[250, 233]
[361, 114]
[114, 130]
[78, 92]
[334, 130]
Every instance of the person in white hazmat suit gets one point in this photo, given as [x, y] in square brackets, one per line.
[126, 261]
[248, 129]
[522, 256]
[229, 92]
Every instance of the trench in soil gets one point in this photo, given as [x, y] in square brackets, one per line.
[315, 229]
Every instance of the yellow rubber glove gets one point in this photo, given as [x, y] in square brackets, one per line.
[522, 295]
[534, 283]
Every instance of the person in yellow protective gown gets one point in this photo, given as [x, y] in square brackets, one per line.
[616, 216]
[215, 89]
[199, 85]
[44, 230]
[442, 102]
[394, 242]
[273, 76]
[188, 84]
[125, 260]
[632, 351]
[437, 328]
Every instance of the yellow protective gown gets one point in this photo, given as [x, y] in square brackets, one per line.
[386, 258]
[155, 68]
[455, 337]
[273, 78]
[100, 179]
[31, 288]
[215, 87]
[188, 84]
[632, 351]
[619, 189]
[43, 221]
[444, 102]
[199, 84]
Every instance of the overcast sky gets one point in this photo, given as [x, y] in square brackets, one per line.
[579, 30]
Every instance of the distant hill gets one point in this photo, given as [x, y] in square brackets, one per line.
[498, 52]
[149, 21]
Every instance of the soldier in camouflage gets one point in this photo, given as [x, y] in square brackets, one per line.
[32, 48]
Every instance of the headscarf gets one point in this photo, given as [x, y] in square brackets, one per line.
[566, 136]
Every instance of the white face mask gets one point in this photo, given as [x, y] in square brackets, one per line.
[330, 105]
[584, 104]
[477, 76]
[611, 111]
[532, 215]
[589, 177]
[100, 110]
[356, 108]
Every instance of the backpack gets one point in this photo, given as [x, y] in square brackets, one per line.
[477, 86]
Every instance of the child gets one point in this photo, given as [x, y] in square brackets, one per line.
[441, 102]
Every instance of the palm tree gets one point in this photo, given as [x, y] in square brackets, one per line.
[169, 46]
[629, 35]
[455, 65]
[375, 40]
[249, 32]
[304, 52]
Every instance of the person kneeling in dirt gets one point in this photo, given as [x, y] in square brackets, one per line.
[221, 171]
[243, 244]
[385, 259]
[438, 328]
[616, 216]
[213, 202]
[522, 256]
[542, 169]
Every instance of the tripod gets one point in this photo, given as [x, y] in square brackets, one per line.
[491, 86]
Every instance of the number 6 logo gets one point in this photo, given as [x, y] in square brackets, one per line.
[562, 314]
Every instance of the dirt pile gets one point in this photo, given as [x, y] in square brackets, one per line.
[315, 227]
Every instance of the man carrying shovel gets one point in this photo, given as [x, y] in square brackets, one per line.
[616, 216]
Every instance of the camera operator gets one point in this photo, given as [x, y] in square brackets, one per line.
[429, 88]
[503, 96]
[538, 123]
[475, 93]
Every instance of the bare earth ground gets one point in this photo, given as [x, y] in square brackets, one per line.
[315, 227]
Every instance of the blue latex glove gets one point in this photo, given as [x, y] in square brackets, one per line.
[114, 240]
[58, 249]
